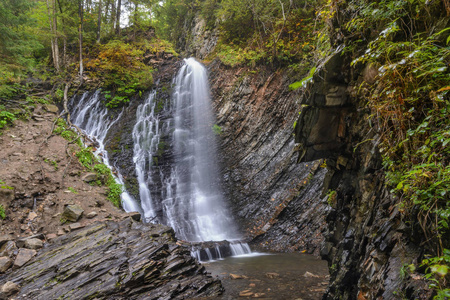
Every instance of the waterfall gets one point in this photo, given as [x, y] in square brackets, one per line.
[198, 208]
[185, 193]
[91, 116]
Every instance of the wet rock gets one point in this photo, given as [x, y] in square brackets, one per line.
[33, 244]
[126, 260]
[310, 275]
[235, 276]
[272, 275]
[24, 256]
[89, 177]
[259, 295]
[246, 293]
[91, 215]
[9, 289]
[5, 263]
[72, 213]
[8, 249]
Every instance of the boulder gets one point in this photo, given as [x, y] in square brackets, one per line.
[8, 249]
[89, 177]
[21, 242]
[24, 256]
[51, 108]
[5, 263]
[9, 289]
[5, 238]
[33, 244]
[72, 213]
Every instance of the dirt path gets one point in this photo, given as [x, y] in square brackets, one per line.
[40, 193]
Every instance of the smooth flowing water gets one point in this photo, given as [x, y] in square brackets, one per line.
[92, 116]
[188, 196]
[197, 209]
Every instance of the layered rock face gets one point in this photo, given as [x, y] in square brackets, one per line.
[125, 260]
[366, 242]
[277, 201]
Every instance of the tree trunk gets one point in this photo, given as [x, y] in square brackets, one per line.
[80, 37]
[54, 37]
[113, 16]
[119, 4]
[99, 20]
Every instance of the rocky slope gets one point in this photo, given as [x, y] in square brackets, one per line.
[114, 260]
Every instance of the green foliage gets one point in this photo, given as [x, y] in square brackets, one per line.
[2, 212]
[217, 129]
[72, 190]
[410, 103]
[252, 32]
[18, 43]
[437, 272]
[86, 157]
[114, 189]
[304, 81]
[6, 117]
[4, 186]
[120, 66]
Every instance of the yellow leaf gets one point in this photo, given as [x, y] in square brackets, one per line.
[444, 89]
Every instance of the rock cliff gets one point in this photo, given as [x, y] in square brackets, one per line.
[366, 241]
[279, 203]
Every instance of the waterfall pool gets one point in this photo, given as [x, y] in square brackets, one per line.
[272, 276]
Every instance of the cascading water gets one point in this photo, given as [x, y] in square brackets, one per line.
[185, 195]
[198, 206]
[90, 115]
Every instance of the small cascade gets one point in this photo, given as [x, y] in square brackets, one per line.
[146, 137]
[239, 248]
[92, 117]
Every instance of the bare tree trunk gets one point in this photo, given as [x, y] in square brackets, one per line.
[119, 4]
[99, 20]
[80, 37]
[64, 52]
[55, 31]
[113, 16]
[54, 37]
